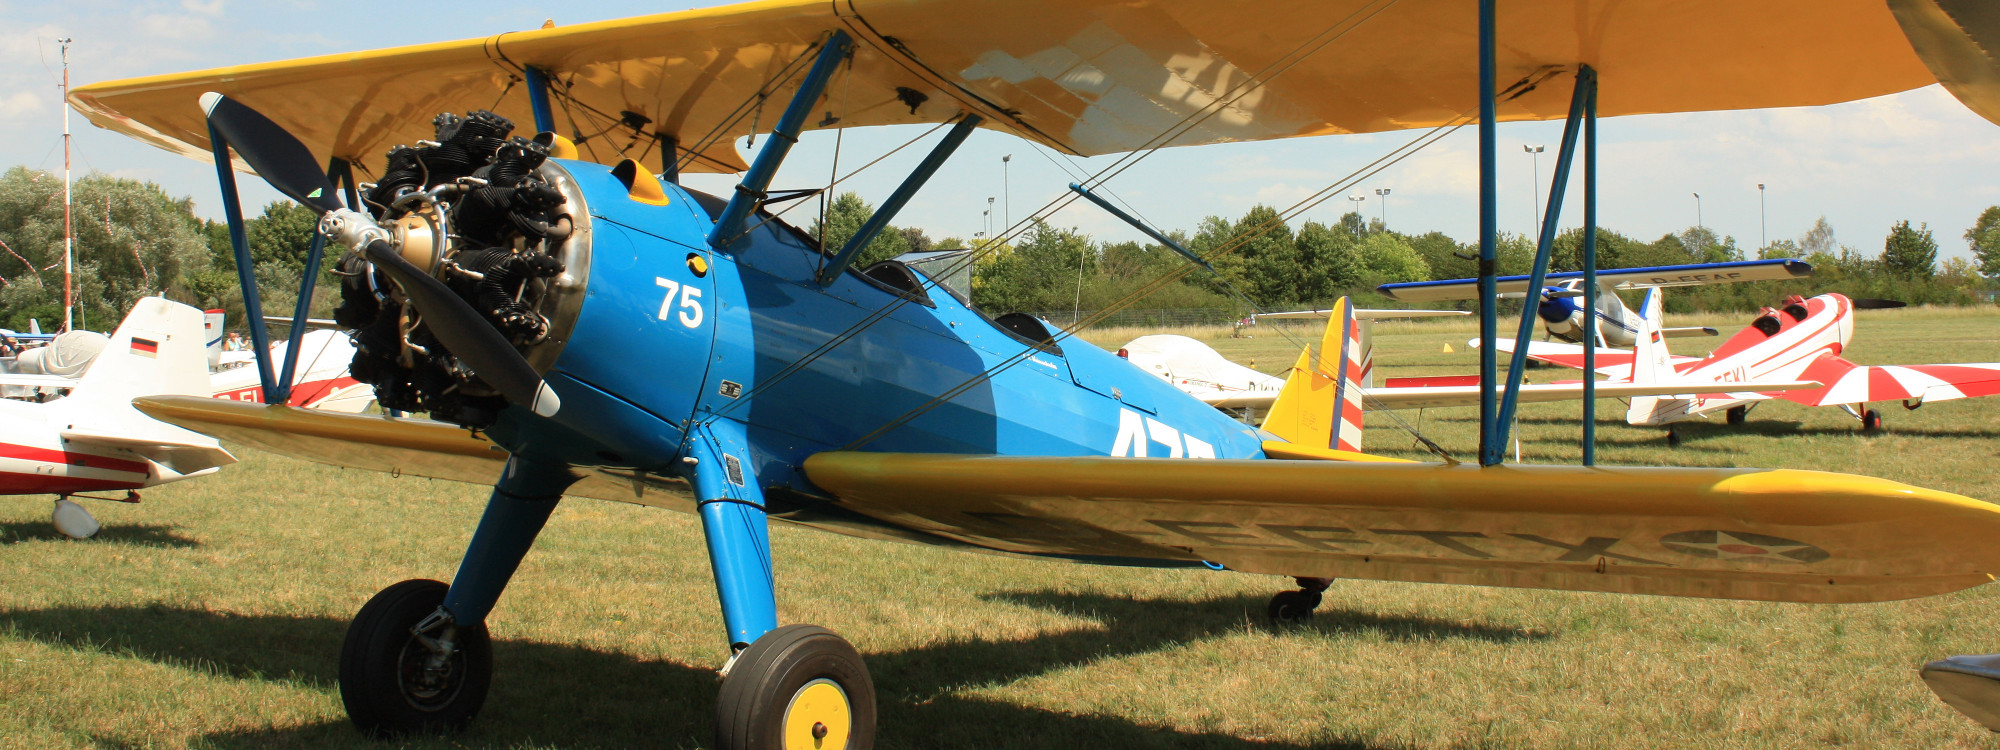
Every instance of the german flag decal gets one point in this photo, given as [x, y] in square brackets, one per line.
[145, 347]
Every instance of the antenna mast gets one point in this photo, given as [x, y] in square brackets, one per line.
[69, 238]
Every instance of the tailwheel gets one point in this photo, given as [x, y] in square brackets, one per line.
[407, 668]
[1296, 607]
[1738, 415]
[799, 687]
[1871, 421]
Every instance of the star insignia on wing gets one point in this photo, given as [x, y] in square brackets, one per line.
[1737, 545]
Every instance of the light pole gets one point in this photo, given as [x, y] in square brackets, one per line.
[1697, 211]
[1535, 154]
[989, 216]
[1355, 201]
[1007, 190]
[1763, 224]
[1384, 193]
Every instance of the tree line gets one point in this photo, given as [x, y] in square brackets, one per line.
[133, 240]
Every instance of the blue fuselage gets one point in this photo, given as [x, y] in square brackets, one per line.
[673, 333]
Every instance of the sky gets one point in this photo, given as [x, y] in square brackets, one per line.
[1918, 156]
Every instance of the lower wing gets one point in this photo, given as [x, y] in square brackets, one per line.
[1434, 397]
[1775, 535]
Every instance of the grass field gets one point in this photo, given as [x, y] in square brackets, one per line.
[212, 614]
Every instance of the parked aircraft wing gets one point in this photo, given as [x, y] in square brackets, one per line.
[1434, 397]
[1774, 535]
[1361, 314]
[1699, 274]
[1084, 76]
[1849, 383]
[37, 381]
[1615, 363]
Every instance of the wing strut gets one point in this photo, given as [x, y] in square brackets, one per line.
[750, 192]
[904, 192]
[1517, 365]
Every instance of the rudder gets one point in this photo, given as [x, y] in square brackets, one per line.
[158, 349]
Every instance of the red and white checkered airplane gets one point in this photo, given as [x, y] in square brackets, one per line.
[1800, 340]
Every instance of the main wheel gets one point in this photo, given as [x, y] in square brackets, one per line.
[799, 687]
[392, 682]
[1292, 607]
[1673, 436]
[1738, 415]
[1871, 421]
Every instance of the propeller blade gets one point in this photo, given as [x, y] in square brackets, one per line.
[1866, 303]
[277, 156]
[467, 334]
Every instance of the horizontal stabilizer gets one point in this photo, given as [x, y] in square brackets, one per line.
[1699, 274]
[186, 457]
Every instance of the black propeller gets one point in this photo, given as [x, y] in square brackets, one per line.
[1866, 303]
[290, 167]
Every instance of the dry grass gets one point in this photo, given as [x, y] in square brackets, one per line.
[211, 615]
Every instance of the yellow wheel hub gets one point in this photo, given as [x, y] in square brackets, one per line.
[818, 718]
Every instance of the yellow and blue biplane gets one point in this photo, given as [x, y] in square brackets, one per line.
[577, 323]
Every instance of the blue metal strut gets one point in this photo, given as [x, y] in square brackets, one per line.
[538, 99]
[1490, 445]
[246, 270]
[736, 529]
[1141, 226]
[894, 204]
[1590, 270]
[750, 192]
[1517, 365]
[521, 503]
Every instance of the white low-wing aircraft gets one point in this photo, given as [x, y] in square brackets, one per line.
[1802, 339]
[1204, 373]
[93, 440]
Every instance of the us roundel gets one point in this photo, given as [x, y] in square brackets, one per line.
[1738, 545]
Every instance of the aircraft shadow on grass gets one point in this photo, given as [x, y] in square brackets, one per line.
[566, 695]
[128, 534]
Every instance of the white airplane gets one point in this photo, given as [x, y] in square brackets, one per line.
[93, 440]
[1801, 340]
[321, 382]
[1200, 371]
[1562, 314]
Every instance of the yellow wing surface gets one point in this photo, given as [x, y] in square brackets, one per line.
[1774, 535]
[1725, 533]
[1085, 76]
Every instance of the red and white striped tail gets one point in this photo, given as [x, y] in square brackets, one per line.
[1344, 359]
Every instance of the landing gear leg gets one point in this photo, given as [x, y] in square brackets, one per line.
[1296, 607]
[1673, 436]
[1738, 415]
[797, 686]
[417, 658]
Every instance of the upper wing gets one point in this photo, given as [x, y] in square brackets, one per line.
[1624, 278]
[1085, 76]
[1849, 383]
[1729, 533]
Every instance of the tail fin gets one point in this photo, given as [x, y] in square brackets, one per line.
[212, 333]
[157, 350]
[1320, 404]
[34, 326]
[1651, 362]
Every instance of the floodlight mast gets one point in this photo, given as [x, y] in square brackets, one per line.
[69, 237]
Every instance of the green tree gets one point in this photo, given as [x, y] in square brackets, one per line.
[843, 220]
[132, 240]
[1984, 239]
[1328, 263]
[1039, 274]
[1388, 258]
[1271, 269]
[1910, 253]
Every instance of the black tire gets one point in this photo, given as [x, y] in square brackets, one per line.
[382, 682]
[1738, 415]
[1871, 421]
[1673, 436]
[1292, 607]
[753, 710]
